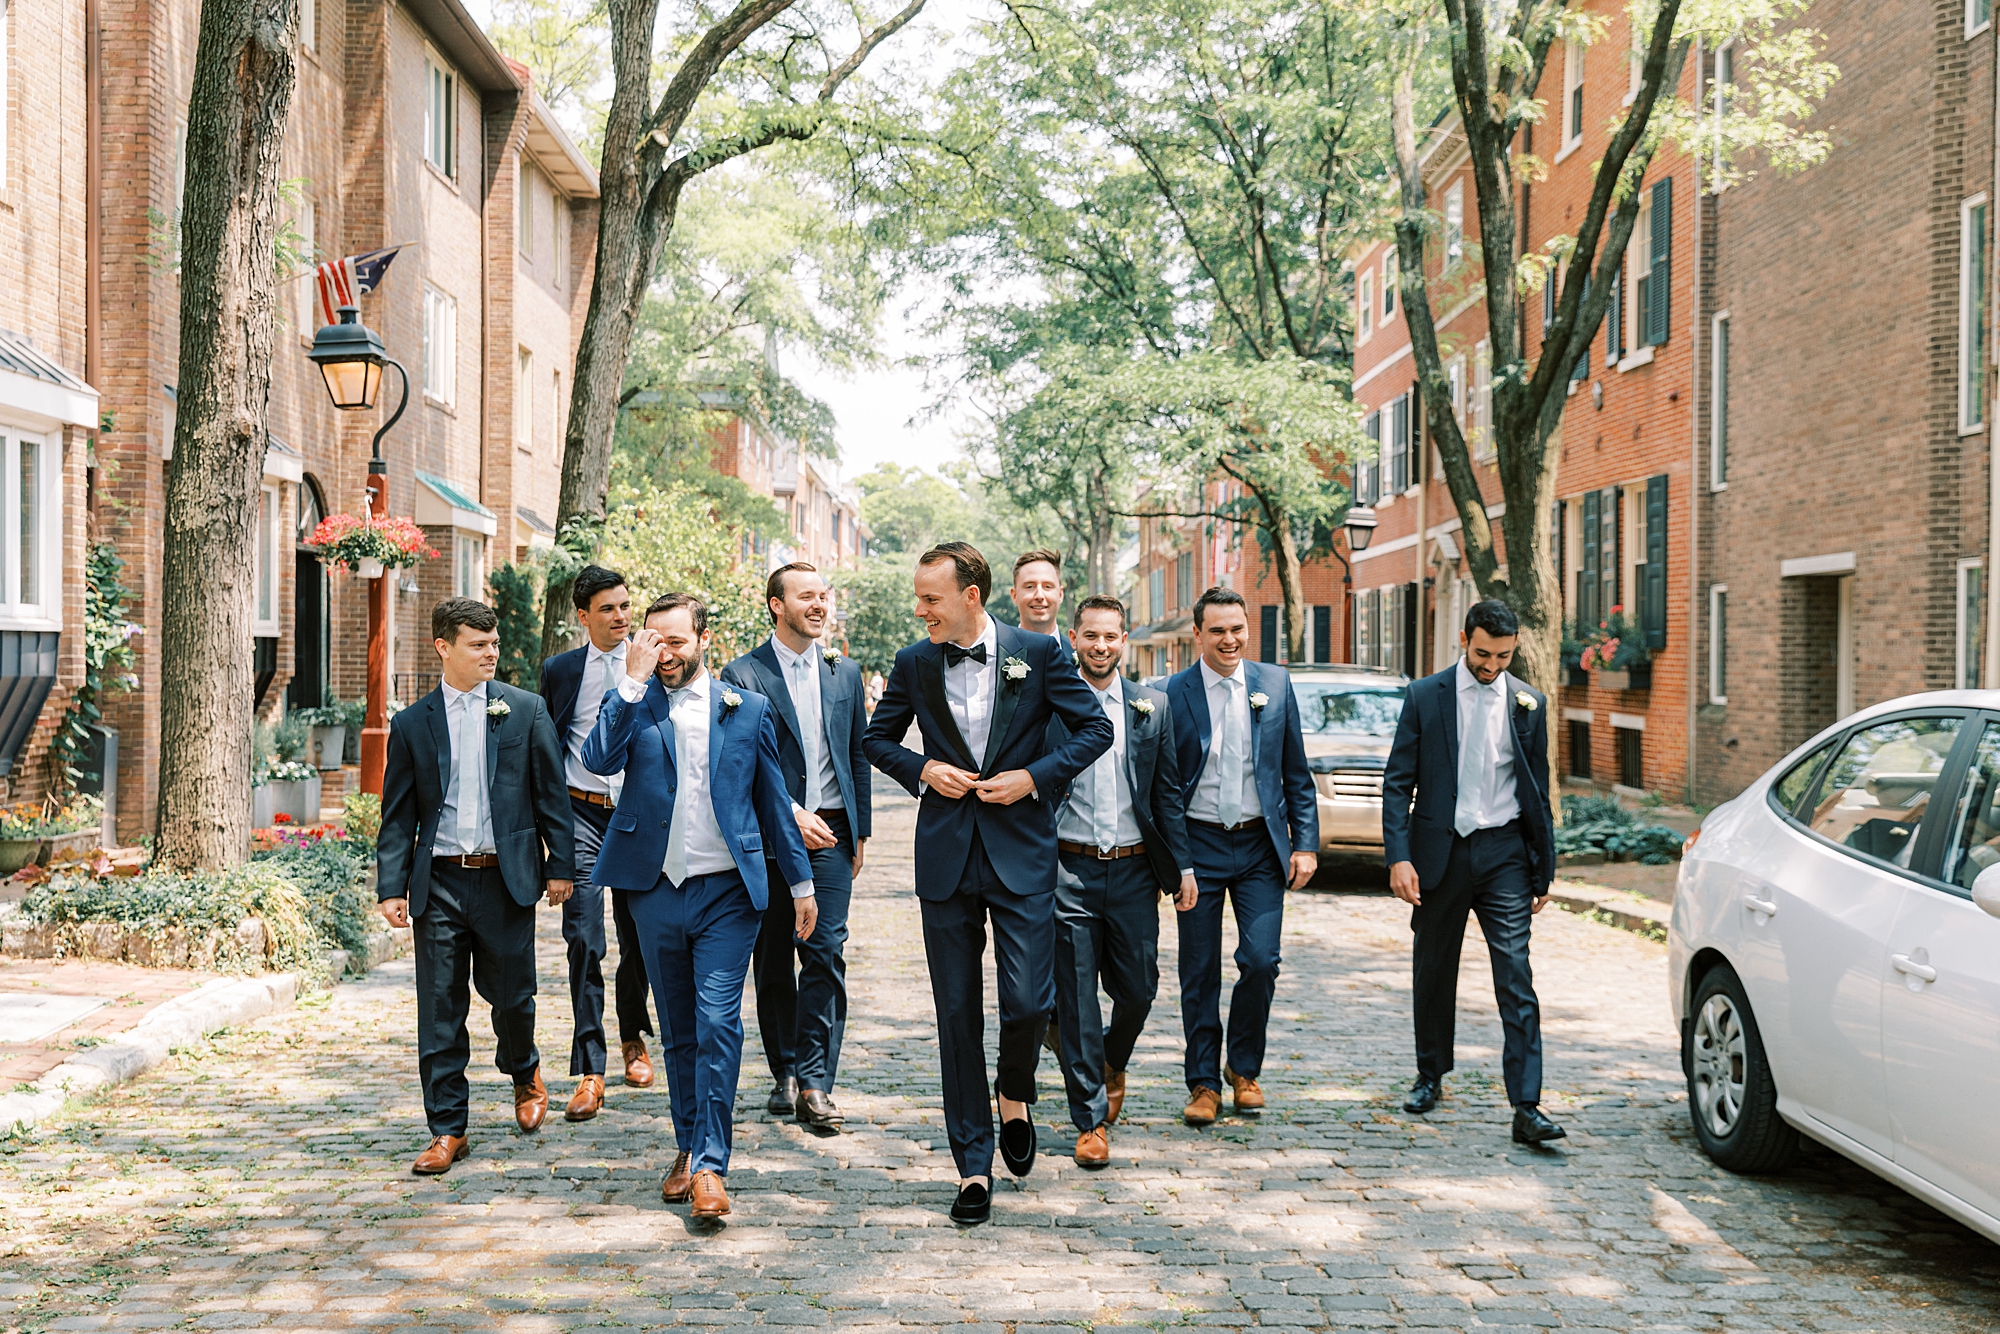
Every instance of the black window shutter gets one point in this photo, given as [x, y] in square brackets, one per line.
[1611, 564]
[1549, 300]
[1588, 613]
[1614, 322]
[1322, 634]
[1658, 297]
[1268, 615]
[1655, 624]
[1411, 600]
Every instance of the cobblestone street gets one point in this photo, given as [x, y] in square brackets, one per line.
[262, 1181]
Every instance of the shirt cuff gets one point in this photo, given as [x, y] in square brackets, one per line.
[631, 691]
[803, 890]
[1187, 871]
[796, 808]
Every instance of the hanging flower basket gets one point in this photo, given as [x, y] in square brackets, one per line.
[369, 545]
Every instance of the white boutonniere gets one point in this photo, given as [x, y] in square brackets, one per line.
[497, 708]
[1014, 669]
[1143, 707]
[730, 699]
[1258, 699]
[832, 655]
[1525, 700]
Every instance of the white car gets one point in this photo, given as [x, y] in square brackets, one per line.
[1835, 959]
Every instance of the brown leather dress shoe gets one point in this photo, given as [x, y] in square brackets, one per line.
[1249, 1098]
[638, 1070]
[531, 1103]
[1114, 1093]
[587, 1101]
[1093, 1147]
[710, 1199]
[679, 1183]
[438, 1158]
[1203, 1107]
[816, 1110]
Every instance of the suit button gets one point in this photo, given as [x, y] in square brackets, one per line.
[664, 824]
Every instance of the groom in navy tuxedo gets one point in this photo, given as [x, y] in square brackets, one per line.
[983, 694]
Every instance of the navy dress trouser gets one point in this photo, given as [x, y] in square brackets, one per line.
[471, 930]
[955, 948]
[1107, 926]
[1488, 875]
[802, 1016]
[583, 935]
[1242, 864]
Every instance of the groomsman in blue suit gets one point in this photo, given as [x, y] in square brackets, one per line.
[1253, 827]
[704, 793]
[817, 696]
[982, 694]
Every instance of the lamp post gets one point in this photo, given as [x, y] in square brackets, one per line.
[350, 358]
[1360, 530]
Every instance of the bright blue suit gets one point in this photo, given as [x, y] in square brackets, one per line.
[1252, 865]
[696, 936]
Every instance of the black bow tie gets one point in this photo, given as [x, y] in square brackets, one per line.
[954, 655]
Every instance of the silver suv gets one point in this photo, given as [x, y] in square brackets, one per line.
[1348, 715]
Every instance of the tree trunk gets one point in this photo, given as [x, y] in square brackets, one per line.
[243, 78]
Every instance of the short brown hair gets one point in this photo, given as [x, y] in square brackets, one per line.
[774, 587]
[697, 609]
[1041, 554]
[1098, 602]
[973, 571]
[452, 613]
[1218, 597]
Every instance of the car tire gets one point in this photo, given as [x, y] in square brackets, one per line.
[1732, 1099]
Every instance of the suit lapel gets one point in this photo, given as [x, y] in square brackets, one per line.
[493, 730]
[716, 713]
[1447, 699]
[1512, 684]
[765, 658]
[930, 678]
[440, 728]
[1193, 685]
[1251, 684]
[1006, 694]
[832, 717]
[659, 705]
[1133, 721]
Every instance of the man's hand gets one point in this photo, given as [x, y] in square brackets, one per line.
[1304, 864]
[1403, 883]
[860, 851]
[1539, 904]
[396, 912]
[805, 916]
[559, 891]
[643, 654]
[1188, 894]
[1006, 789]
[814, 830]
[947, 780]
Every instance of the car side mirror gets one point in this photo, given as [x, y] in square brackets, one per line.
[1986, 890]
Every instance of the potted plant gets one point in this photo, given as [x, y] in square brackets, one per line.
[37, 832]
[368, 545]
[1616, 651]
[290, 788]
[326, 728]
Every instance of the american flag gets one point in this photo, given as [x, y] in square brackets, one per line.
[342, 282]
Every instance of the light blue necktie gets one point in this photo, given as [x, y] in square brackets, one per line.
[1229, 801]
[1104, 792]
[471, 772]
[1472, 766]
[808, 730]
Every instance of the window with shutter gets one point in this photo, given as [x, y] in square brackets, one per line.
[1322, 635]
[1399, 445]
[1654, 571]
[1588, 613]
[1659, 286]
[1614, 321]
[1268, 617]
[1406, 662]
[1611, 531]
[1368, 474]
[1374, 627]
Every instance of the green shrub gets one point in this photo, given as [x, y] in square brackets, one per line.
[1601, 826]
[361, 812]
[328, 875]
[291, 737]
[517, 601]
[162, 901]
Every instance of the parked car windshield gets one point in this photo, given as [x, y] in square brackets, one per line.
[1362, 709]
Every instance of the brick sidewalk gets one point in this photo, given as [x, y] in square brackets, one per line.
[263, 1182]
[133, 994]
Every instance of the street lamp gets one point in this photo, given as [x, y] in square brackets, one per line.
[1360, 531]
[1360, 527]
[350, 357]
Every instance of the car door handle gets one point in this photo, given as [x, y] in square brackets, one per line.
[1921, 971]
[1755, 904]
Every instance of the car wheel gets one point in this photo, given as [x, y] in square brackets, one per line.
[1731, 1096]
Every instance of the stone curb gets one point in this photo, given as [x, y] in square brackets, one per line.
[1614, 907]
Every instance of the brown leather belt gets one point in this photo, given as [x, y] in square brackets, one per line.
[828, 812]
[471, 861]
[1250, 823]
[1101, 854]
[594, 798]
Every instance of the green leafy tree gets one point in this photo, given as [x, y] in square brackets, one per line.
[908, 509]
[516, 591]
[879, 602]
[566, 45]
[667, 540]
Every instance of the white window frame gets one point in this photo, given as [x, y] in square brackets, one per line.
[1572, 117]
[1962, 640]
[1482, 400]
[44, 611]
[1454, 224]
[1637, 264]
[468, 551]
[561, 207]
[1718, 401]
[266, 562]
[524, 210]
[1971, 296]
[1635, 55]
[524, 399]
[1454, 374]
[6, 124]
[1974, 25]
[440, 346]
[1364, 327]
[309, 25]
[556, 413]
[1390, 260]
[1718, 642]
[440, 104]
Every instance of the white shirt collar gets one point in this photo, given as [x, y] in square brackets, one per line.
[1467, 681]
[452, 696]
[785, 656]
[616, 652]
[988, 637]
[1210, 678]
[695, 689]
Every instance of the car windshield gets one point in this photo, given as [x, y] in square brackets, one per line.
[1330, 708]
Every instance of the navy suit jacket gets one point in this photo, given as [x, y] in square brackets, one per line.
[842, 703]
[1423, 762]
[526, 795]
[1152, 771]
[1277, 753]
[746, 788]
[562, 682]
[1020, 839]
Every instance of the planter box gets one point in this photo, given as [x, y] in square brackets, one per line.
[18, 852]
[1576, 676]
[298, 799]
[329, 745]
[1633, 678]
[81, 842]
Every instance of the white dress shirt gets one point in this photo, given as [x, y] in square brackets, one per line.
[1100, 800]
[801, 673]
[603, 669]
[688, 710]
[969, 691]
[472, 765]
[1232, 694]
[1496, 803]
